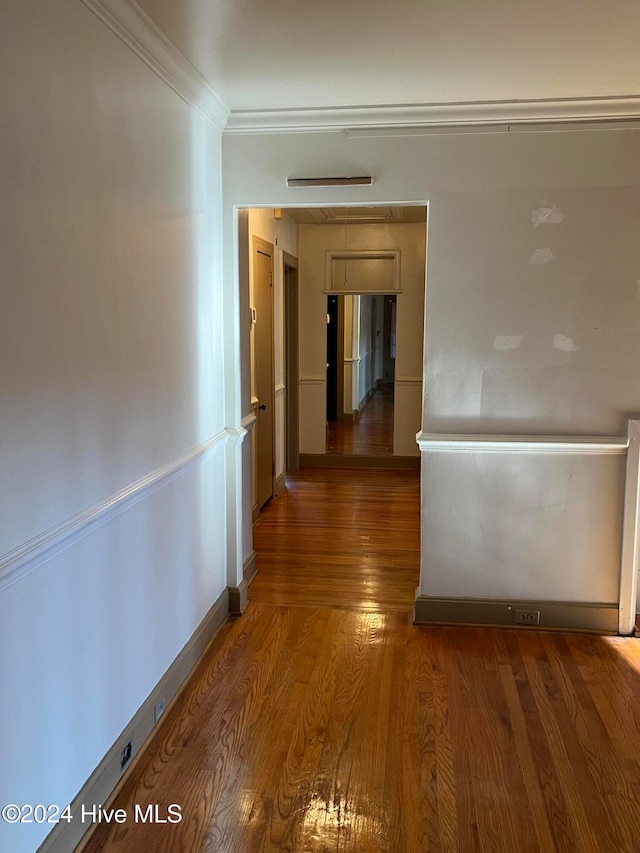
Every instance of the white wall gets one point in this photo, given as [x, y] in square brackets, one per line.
[110, 368]
[574, 371]
[314, 241]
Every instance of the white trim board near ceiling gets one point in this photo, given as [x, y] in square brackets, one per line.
[139, 32]
[479, 117]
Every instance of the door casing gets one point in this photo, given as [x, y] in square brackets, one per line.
[292, 444]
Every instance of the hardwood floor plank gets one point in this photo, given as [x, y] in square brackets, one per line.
[589, 726]
[392, 738]
[341, 539]
[293, 783]
[533, 784]
[620, 717]
[368, 772]
[348, 753]
[371, 434]
[588, 825]
[264, 750]
[557, 813]
[496, 778]
[323, 721]
[428, 735]
[614, 771]
[223, 663]
[460, 699]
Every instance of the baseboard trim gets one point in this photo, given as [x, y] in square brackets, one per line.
[349, 460]
[554, 615]
[280, 484]
[250, 567]
[106, 780]
[255, 513]
[363, 403]
[239, 595]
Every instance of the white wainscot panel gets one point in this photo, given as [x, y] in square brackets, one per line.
[96, 626]
[540, 526]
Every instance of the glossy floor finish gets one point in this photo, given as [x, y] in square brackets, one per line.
[339, 537]
[324, 729]
[316, 728]
[372, 434]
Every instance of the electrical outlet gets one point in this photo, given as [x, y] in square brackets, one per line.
[526, 617]
[159, 709]
[125, 755]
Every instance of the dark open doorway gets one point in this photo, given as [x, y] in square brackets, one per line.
[332, 358]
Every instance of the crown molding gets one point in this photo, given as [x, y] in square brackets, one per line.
[481, 116]
[136, 29]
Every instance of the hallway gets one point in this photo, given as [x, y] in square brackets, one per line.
[323, 721]
[371, 434]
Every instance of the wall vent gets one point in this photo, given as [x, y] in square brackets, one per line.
[354, 181]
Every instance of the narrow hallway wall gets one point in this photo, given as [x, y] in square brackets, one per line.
[112, 424]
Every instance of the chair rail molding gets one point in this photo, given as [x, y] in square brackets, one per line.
[581, 444]
[236, 435]
[138, 31]
[25, 559]
[249, 420]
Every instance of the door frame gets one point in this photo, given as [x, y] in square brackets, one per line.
[291, 361]
[342, 415]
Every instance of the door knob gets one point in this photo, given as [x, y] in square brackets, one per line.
[262, 408]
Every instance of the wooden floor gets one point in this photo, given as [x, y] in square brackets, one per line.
[341, 538]
[372, 434]
[314, 727]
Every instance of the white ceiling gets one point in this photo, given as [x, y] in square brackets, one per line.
[334, 53]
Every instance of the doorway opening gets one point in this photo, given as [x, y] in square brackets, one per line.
[372, 260]
[361, 350]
